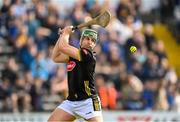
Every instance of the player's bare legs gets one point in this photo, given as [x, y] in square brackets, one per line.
[59, 115]
[96, 119]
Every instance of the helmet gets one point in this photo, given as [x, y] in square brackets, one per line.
[90, 33]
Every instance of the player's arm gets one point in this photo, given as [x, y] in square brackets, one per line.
[64, 45]
[57, 55]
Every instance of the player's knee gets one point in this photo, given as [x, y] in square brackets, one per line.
[52, 119]
[49, 119]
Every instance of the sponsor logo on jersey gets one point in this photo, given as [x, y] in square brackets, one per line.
[71, 65]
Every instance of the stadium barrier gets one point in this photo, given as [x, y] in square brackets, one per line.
[109, 116]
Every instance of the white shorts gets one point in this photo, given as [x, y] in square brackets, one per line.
[85, 109]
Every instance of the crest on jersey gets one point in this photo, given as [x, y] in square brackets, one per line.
[71, 65]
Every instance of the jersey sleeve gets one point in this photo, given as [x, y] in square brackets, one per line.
[85, 55]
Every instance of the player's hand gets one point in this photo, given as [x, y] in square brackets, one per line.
[66, 30]
[60, 31]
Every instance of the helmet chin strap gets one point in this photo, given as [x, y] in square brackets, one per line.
[86, 48]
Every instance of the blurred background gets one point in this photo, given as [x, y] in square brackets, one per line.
[146, 81]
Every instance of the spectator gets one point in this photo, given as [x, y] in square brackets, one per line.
[20, 96]
[22, 37]
[162, 101]
[36, 92]
[131, 91]
[160, 50]
[102, 91]
[32, 23]
[149, 36]
[10, 71]
[151, 67]
[176, 106]
[149, 94]
[27, 53]
[108, 93]
[5, 95]
[38, 67]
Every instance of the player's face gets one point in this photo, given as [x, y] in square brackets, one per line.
[88, 42]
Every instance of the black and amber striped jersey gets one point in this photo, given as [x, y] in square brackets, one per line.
[81, 84]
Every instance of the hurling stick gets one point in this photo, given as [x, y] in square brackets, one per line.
[101, 20]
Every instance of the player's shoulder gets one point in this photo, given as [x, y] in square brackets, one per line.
[87, 54]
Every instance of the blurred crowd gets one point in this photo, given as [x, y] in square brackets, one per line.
[31, 81]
